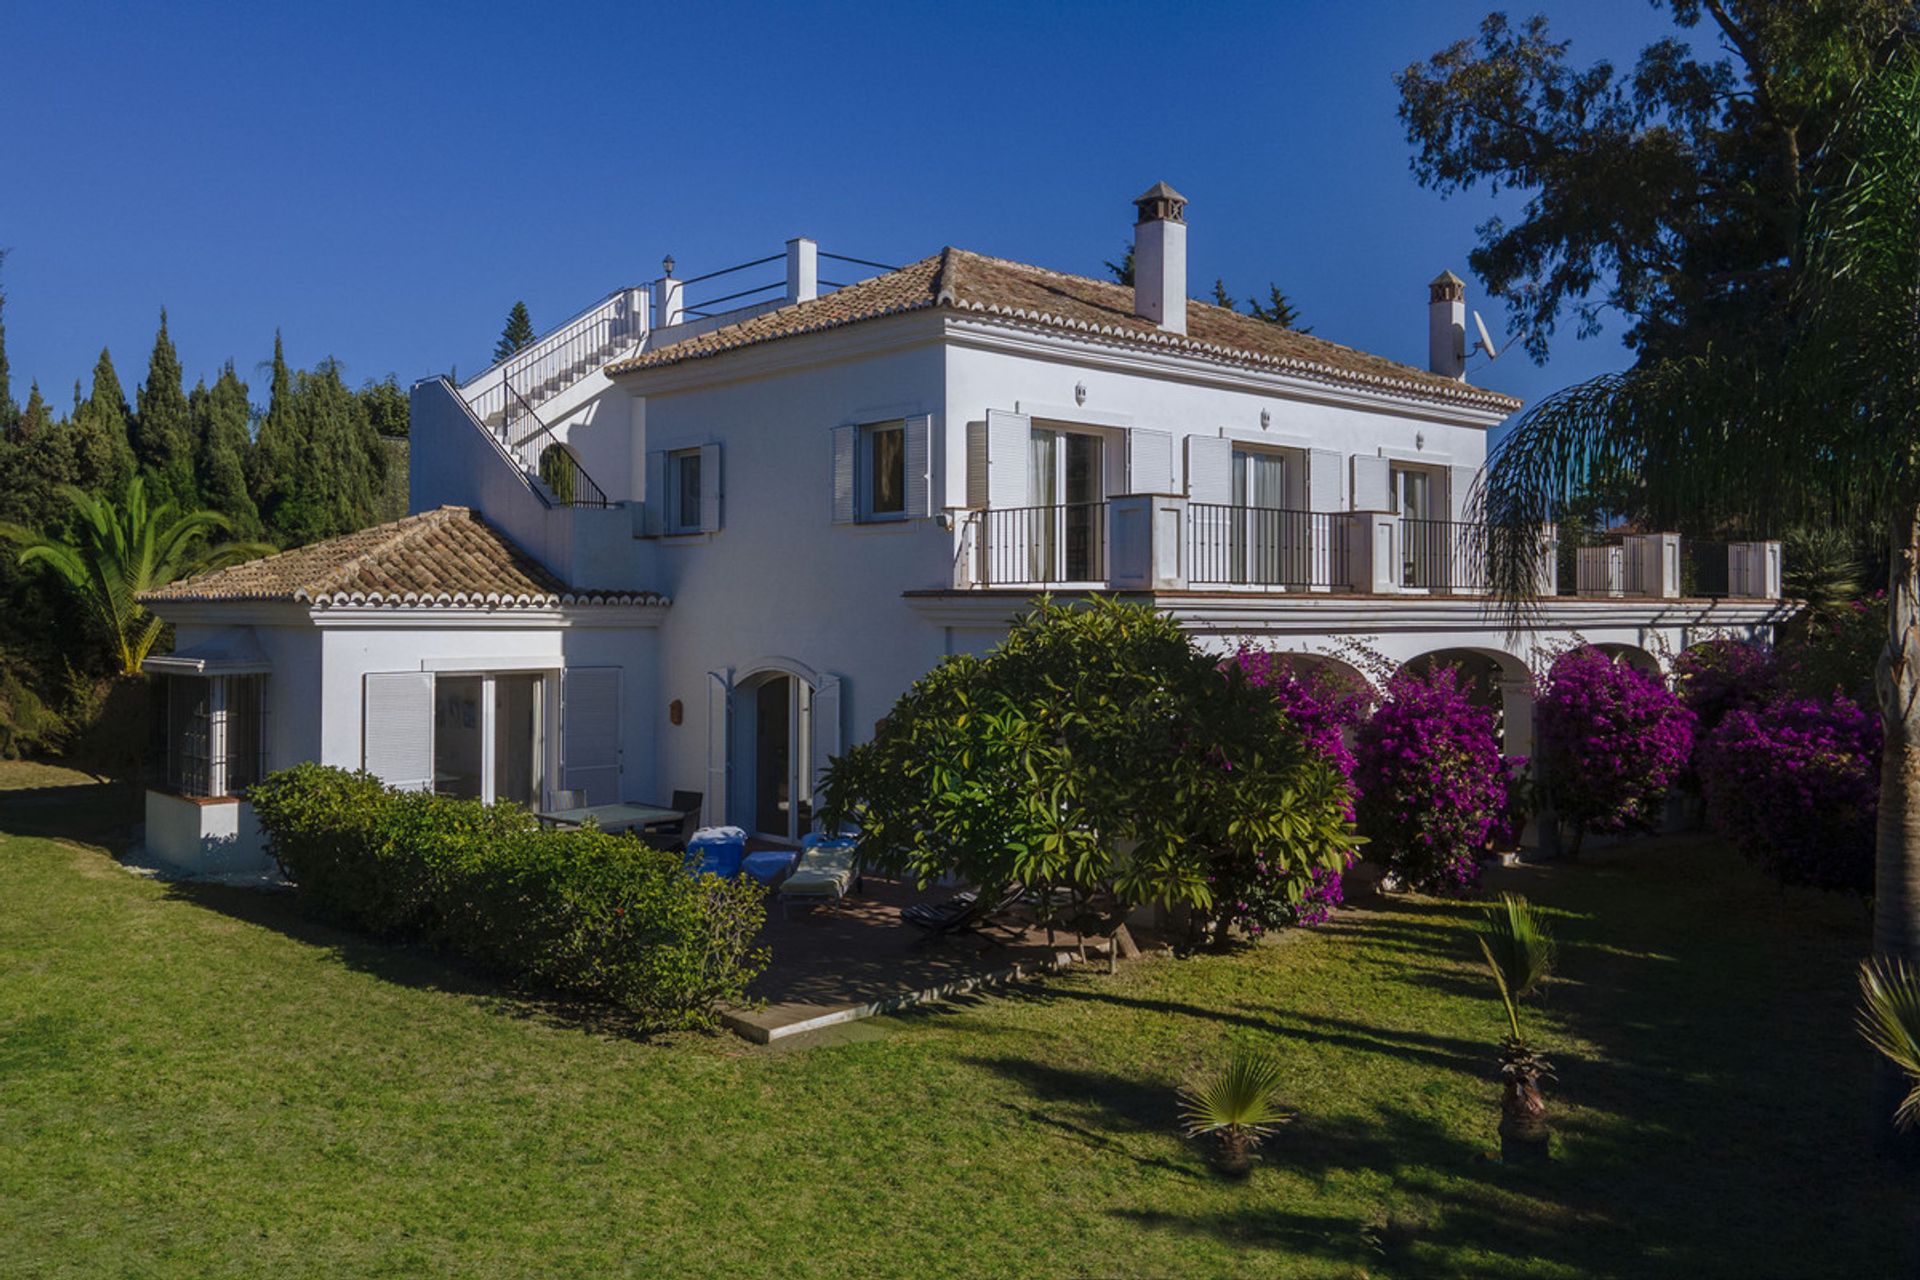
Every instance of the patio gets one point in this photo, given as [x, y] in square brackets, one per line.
[837, 962]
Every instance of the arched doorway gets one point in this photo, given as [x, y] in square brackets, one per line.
[1497, 681]
[1632, 656]
[773, 755]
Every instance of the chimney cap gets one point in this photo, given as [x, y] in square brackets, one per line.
[1447, 287]
[1161, 202]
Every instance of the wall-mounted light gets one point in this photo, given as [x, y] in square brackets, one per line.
[675, 712]
[1419, 439]
[1079, 393]
[666, 266]
[1266, 419]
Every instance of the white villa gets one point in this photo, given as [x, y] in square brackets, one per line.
[684, 546]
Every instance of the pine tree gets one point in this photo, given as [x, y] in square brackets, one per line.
[1122, 271]
[220, 417]
[1221, 298]
[518, 333]
[1278, 311]
[9, 411]
[101, 420]
[162, 435]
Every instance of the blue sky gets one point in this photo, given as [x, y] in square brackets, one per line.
[380, 182]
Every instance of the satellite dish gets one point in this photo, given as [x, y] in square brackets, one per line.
[1486, 342]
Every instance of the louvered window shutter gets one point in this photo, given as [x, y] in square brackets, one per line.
[1149, 461]
[846, 446]
[1323, 480]
[711, 491]
[919, 431]
[976, 465]
[1460, 491]
[1209, 469]
[1372, 483]
[590, 732]
[1009, 445]
[398, 728]
[654, 507]
[719, 707]
[826, 730]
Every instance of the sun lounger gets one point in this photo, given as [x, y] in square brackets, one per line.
[965, 912]
[826, 873]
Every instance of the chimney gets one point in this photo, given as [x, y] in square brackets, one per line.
[803, 270]
[1160, 258]
[1447, 326]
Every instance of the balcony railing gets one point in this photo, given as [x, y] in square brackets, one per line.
[1265, 547]
[1040, 546]
[1159, 542]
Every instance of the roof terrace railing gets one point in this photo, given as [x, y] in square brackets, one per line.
[559, 359]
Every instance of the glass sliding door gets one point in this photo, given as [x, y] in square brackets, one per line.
[1420, 537]
[1066, 486]
[1259, 532]
[519, 745]
[783, 758]
[459, 742]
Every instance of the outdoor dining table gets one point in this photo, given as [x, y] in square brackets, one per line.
[611, 817]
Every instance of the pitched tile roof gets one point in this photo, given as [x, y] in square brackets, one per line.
[447, 556]
[1016, 292]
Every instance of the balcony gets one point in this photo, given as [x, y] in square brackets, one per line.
[1151, 542]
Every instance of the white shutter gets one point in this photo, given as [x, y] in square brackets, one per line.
[654, 506]
[710, 489]
[920, 465]
[846, 444]
[1149, 461]
[590, 733]
[1009, 445]
[826, 729]
[719, 707]
[1372, 483]
[1323, 480]
[1460, 490]
[976, 465]
[1209, 469]
[397, 725]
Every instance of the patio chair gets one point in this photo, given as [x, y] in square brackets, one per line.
[966, 913]
[672, 836]
[827, 871]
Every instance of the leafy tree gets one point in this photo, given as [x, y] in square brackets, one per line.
[387, 406]
[220, 417]
[162, 434]
[517, 335]
[119, 550]
[1098, 753]
[101, 420]
[1674, 192]
[1823, 427]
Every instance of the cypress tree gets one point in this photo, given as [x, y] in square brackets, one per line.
[220, 418]
[105, 453]
[386, 406]
[328, 465]
[162, 436]
[518, 333]
[271, 460]
[9, 411]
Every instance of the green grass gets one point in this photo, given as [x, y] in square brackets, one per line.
[199, 1082]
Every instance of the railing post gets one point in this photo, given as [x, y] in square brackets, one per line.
[1146, 548]
[803, 270]
[671, 297]
[1546, 571]
[1372, 552]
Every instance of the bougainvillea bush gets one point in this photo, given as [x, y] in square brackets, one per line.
[1794, 785]
[1431, 782]
[1322, 706]
[1613, 741]
[1719, 676]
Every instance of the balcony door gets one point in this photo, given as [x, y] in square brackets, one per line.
[1260, 536]
[1422, 537]
[1066, 487]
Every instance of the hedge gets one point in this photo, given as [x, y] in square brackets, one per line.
[580, 912]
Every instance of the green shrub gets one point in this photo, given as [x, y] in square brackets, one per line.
[583, 913]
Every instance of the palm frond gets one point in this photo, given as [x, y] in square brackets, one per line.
[1242, 1097]
[1889, 1018]
[1518, 948]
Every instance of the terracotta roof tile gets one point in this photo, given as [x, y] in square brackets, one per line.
[447, 556]
[1026, 294]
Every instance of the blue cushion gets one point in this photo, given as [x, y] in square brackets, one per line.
[769, 864]
[719, 857]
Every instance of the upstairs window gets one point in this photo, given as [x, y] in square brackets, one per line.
[886, 471]
[683, 481]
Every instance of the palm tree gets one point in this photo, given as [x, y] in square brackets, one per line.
[1889, 1018]
[1822, 427]
[1519, 953]
[119, 550]
[1239, 1103]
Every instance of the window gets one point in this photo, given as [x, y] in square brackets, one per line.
[683, 480]
[489, 737]
[886, 468]
[215, 743]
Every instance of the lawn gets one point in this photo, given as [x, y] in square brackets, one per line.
[199, 1082]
